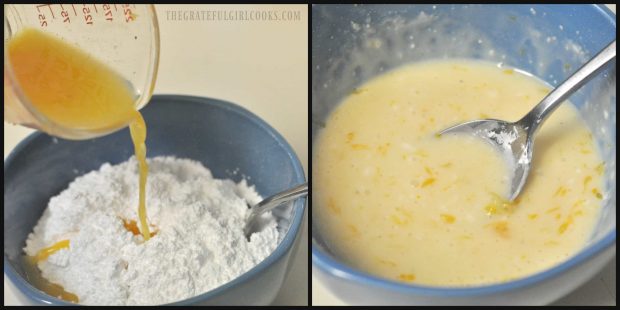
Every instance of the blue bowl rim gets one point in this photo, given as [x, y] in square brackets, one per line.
[339, 270]
[285, 245]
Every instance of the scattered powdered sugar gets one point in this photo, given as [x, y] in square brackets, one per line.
[199, 243]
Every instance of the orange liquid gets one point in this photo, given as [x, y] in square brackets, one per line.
[138, 136]
[33, 275]
[68, 86]
[74, 90]
[46, 252]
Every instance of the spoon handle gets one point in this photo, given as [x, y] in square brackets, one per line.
[280, 198]
[272, 202]
[537, 116]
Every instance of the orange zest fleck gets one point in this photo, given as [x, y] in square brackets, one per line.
[406, 277]
[447, 218]
[382, 149]
[332, 206]
[403, 219]
[564, 226]
[396, 220]
[491, 209]
[131, 226]
[561, 191]
[428, 182]
[428, 170]
[501, 228]
[350, 137]
[586, 180]
[353, 229]
[499, 205]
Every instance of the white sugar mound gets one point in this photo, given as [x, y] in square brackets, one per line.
[199, 242]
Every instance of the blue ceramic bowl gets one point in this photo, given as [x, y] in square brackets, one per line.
[351, 44]
[221, 135]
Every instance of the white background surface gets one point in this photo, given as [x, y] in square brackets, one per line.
[601, 290]
[260, 65]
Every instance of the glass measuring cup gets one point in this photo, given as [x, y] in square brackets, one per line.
[124, 37]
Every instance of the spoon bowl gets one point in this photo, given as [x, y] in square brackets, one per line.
[509, 139]
[515, 140]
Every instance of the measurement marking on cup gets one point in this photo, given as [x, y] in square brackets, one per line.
[65, 15]
[48, 6]
[87, 12]
[128, 15]
[87, 17]
[107, 12]
[42, 21]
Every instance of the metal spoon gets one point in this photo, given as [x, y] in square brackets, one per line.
[515, 140]
[270, 203]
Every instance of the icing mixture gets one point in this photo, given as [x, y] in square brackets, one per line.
[400, 202]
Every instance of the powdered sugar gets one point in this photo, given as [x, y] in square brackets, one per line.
[199, 243]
